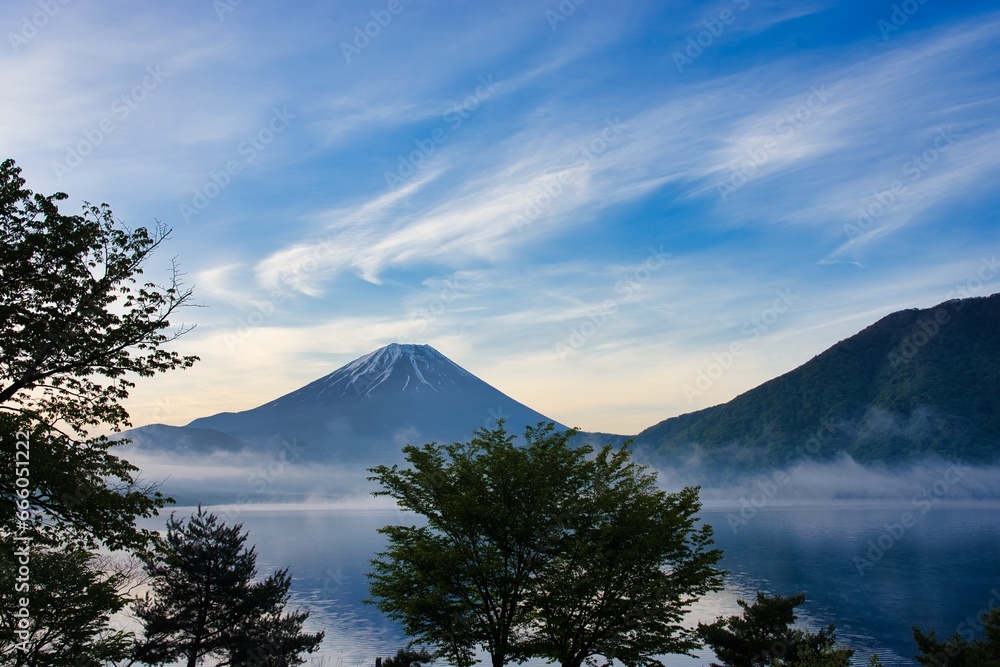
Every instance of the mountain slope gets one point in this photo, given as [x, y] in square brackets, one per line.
[915, 383]
[367, 410]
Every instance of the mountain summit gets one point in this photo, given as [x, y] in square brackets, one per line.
[364, 411]
[387, 372]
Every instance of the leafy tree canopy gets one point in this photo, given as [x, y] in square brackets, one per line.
[71, 601]
[76, 328]
[75, 324]
[541, 549]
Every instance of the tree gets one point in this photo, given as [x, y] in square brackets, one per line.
[205, 602]
[76, 328]
[517, 541]
[763, 636]
[71, 602]
[406, 657]
[462, 580]
[962, 649]
[624, 571]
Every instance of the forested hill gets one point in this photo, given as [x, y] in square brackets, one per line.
[915, 383]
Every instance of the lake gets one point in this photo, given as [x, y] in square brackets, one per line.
[874, 570]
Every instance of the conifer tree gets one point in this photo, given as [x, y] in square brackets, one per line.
[205, 601]
[763, 636]
[963, 648]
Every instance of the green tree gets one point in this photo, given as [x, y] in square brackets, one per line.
[763, 636]
[76, 328]
[462, 580]
[962, 649]
[502, 559]
[620, 576]
[71, 600]
[205, 601]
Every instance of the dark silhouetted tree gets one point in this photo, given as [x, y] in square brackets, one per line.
[205, 601]
[70, 603]
[76, 328]
[763, 636]
[406, 657]
[962, 649]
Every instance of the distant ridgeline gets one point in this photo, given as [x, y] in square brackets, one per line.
[915, 383]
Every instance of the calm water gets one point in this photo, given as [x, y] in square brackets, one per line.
[874, 571]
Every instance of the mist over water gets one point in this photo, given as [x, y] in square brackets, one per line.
[278, 477]
[876, 549]
[930, 480]
[936, 574]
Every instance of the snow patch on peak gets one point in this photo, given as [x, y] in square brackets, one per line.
[417, 366]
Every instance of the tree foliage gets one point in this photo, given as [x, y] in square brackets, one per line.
[963, 649]
[76, 328]
[75, 324]
[517, 555]
[205, 601]
[625, 567]
[763, 636]
[72, 599]
[406, 657]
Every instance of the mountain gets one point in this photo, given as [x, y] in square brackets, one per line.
[363, 412]
[916, 383]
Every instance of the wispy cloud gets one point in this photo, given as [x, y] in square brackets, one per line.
[376, 216]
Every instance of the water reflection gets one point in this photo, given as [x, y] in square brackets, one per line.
[935, 574]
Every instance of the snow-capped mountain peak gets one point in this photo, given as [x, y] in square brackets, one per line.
[395, 368]
[370, 407]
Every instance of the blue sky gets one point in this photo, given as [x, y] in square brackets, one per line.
[615, 213]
